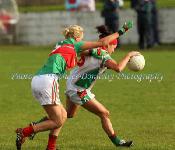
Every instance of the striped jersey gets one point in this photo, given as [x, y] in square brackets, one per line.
[62, 57]
[86, 73]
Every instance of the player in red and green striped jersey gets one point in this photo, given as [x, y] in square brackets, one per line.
[45, 87]
[82, 79]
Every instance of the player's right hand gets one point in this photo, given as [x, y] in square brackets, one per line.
[133, 53]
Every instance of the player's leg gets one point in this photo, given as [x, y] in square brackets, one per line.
[46, 90]
[31, 137]
[55, 132]
[97, 108]
[57, 116]
[71, 108]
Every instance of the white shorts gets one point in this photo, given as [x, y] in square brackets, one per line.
[45, 89]
[78, 97]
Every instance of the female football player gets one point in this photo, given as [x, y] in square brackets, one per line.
[45, 87]
[82, 79]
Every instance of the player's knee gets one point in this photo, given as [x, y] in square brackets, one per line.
[61, 119]
[70, 115]
[58, 124]
[104, 114]
[64, 117]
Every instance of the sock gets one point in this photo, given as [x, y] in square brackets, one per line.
[27, 131]
[115, 140]
[52, 142]
[41, 120]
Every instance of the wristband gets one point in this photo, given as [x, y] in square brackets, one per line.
[90, 52]
[120, 32]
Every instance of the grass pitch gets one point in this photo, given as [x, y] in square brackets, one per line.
[142, 111]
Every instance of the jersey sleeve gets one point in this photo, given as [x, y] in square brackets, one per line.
[105, 58]
[77, 46]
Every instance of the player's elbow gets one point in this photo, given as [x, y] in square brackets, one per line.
[118, 69]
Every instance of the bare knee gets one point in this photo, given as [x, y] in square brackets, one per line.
[59, 122]
[71, 108]
[70, 115]
[104, 114]
[64, 116]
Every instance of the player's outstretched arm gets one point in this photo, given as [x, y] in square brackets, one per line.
[96, 53]
[106, 40]
[118, 67]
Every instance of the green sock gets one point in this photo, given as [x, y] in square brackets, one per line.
[115, 140]
[41, 120]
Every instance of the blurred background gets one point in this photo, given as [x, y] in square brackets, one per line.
[25, 22]
[142, 111]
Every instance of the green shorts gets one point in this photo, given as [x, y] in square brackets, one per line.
[80, 97]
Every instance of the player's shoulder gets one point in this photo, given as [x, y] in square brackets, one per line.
[101, 51]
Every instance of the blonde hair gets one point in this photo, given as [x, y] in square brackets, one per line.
[73, 31]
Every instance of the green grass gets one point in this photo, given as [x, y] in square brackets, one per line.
[143, 112]
[25, 9]
[99, 6]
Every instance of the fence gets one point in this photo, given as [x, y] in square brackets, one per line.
[45, 28]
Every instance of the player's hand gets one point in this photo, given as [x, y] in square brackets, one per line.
[126, 26]
[133, 53]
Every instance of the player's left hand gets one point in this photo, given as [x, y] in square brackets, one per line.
[126, 26]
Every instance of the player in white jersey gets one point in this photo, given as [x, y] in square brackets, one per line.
[104, 58]
[82, 79]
